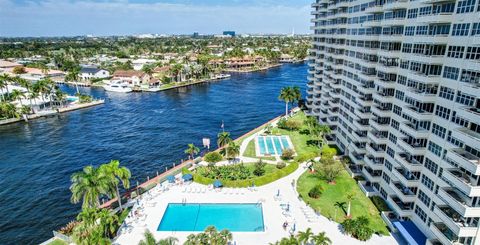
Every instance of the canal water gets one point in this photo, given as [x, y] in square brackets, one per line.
[145, 131]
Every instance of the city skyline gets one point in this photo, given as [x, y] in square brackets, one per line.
[44, 18]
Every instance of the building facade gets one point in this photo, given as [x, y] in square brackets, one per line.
[398, 81]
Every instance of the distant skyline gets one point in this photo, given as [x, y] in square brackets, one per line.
[33, 18]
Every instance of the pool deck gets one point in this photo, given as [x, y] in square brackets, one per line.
[156, 202]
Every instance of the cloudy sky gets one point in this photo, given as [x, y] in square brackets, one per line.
[120, 17]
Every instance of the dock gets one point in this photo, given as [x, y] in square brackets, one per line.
[47, 113]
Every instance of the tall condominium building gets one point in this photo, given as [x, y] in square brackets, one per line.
[398, 81]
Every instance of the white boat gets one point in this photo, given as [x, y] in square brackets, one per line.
[117, 86]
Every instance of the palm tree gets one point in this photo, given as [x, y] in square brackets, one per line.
[192, 150]
[88, 185]
[233, 149]
[297, 94]
[304, 237]
[149, 239]
[116, 174]
[350, 198]
[168, 241]
[18, 95]
[5, 78]
[340, 205]
[287, 95]
[223, 139]
[3, 85]
[321, 239]
[73, 76]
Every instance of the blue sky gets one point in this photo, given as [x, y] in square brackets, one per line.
[120, 17]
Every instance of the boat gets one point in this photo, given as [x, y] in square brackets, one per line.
[117, 86]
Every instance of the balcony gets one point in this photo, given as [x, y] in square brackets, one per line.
[382, 111]
[407, 178]
[375, 150]
[465, 159]
[356, 158]
[389, 217]
[354, 170]
[472, 113]
[377, 137]
[374, 163]
[380, 125]
[412, 146]
[372, 175]
[401, 208]
[468, 136]
[367, 189]
[443, 233]
[418, 113]
[403, 192]
[455, 221]
[459, 201]
[361, 125]
[413, 129]
[408, 161]
[466, 183]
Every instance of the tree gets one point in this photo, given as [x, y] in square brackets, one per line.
[192, 150]
[321, 239]
[358, 228]
[223, 139]
[311, 122]
[259, 169]
[350, 198]
[4, 79]
[88, 185]
[233, 149]
[210, 237]
[297, 94]
[305, 236]
[18, 95]
[73, 76]
[116, 174]
[329, 169]
[149, 239]
[340, 205]
[287, 94]
[213, 157]
[19, 70]
[96, 226]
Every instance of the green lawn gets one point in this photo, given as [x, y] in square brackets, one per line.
[58, 242]
[361, 205]
[301, 139]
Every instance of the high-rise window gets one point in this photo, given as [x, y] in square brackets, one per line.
[461, 29]
[465, 6]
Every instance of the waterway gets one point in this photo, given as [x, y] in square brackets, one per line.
[145, 131]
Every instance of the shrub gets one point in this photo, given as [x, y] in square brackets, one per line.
[259, 168]
[293, 125]
[282, 123]
[287, 154]
[213, 157]
[315, 192]
[358, 228]
[380, 204]
[329, 169]
[281, 165]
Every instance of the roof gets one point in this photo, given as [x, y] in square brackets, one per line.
[129, 73]
[410, 232]
[37, 71]
[162, 69]
[90, 70]
[8, 64]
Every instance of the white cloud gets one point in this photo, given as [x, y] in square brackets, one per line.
[121, 17]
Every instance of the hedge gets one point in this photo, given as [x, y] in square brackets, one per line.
[258, 181]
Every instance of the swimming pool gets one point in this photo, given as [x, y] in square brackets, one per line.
[272, 145]
[198, 216]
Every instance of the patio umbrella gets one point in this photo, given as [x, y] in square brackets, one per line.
[278, 192]
[187, 177]
[217, 184]
[171, 179]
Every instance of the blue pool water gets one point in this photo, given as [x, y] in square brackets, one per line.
[278, 145]
[272, 145]
[285, 143]
[198, 216]
[261, 145]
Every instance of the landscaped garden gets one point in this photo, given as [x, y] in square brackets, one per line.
[333, 200]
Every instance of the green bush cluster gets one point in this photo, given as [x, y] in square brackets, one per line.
[213, 157]
[358, 228]
[281, 165]
[315, 192]
[257, 181]
[380, 204]
[228, 172]
[287, 154]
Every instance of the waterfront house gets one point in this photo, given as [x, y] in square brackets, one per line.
[138, 64]
[88, 73]
[245, 62]
[132, 77]
[38, 73]
[286, 58]
[7, 65]
[162, 72]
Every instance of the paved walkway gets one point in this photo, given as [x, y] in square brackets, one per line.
[274, 216]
